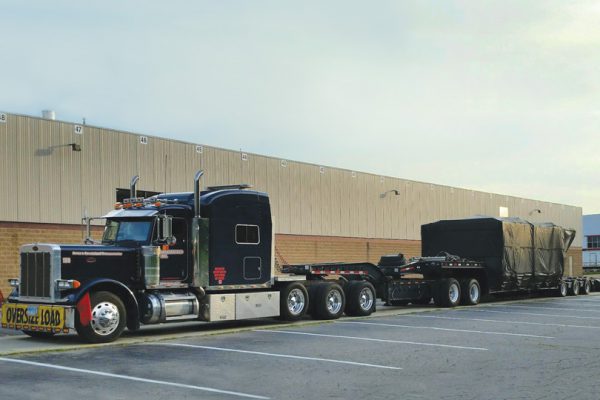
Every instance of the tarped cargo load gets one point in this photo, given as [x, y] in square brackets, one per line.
[517, 254]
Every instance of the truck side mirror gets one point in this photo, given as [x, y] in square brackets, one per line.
[166, 230]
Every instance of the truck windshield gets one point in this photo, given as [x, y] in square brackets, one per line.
[117, 231]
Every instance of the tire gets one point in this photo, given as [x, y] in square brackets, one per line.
[574, 289]
[329, 301]
[562, 289]
[39, 334]
[108, 319]
[586, 288]
[470, 292]
[293, 301]
[447, 293]
[360, 298]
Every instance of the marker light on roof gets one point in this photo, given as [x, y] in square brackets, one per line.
[118, 206]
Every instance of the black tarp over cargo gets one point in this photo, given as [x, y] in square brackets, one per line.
[517, 254]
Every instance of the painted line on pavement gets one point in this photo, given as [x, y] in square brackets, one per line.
[548, 308]
[588, 300]
[502, 321]
[447, 329]
[528, 313]
[371, 339]
[132, 378]
[260, 353]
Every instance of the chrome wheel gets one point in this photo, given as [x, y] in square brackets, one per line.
[453, 293]
[334, 301]
[105, 318]
[366, 299]
[296, 302]
[474, 293]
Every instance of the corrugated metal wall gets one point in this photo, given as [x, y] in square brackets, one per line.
[43, 180]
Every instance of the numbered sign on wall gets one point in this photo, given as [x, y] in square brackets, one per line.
[3, 118]
[78, 129]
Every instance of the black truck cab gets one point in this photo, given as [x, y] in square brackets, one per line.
[160, 259]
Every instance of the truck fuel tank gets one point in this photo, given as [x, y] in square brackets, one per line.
[160, 307]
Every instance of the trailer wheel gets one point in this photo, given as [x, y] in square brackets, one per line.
[470, 292]
[574, 289]
[586, 288]
[447, 293]
[562, 289]
[329, 301]
[361, 298]
[293, 301]
[39, 334]
[108, 319]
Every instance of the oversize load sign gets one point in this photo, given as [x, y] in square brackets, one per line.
[33, 317]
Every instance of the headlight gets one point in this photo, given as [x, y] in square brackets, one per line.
[14, 282]
[63, 284]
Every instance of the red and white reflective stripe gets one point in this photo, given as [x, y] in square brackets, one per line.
[338, 272]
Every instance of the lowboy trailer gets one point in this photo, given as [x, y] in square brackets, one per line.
[208, 256]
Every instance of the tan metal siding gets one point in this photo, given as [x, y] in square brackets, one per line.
[8, 169]
[48, 182]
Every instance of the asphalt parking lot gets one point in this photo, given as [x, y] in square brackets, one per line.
[541, 348]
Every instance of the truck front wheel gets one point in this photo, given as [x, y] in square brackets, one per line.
[108, 319]
[293, 302]
[447, 293]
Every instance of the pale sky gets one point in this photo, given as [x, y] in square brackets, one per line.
[500, 96]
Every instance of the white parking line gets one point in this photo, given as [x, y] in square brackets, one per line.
[528, 313]
[132, 378]
[534, 306]
[446, 329]
[588, 300]
[260, 353]
[372, 340]
[502, 321]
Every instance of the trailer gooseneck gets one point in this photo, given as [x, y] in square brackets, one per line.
[208, 256]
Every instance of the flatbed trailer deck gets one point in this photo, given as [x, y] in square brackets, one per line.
[447, 279]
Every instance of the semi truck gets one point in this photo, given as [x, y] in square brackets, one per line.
[209, 256]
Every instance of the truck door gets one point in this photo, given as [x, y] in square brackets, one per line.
[174, 261]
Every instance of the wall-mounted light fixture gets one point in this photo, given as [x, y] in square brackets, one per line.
[396, 192]
[535, 211]
[75, 146]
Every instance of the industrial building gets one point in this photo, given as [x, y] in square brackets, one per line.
[52, 173]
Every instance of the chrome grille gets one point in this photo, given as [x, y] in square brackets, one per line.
[36, 274]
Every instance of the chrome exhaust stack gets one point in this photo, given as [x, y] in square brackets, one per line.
[197, 193]
[132, 189]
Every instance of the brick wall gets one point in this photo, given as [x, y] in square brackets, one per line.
[297, 249]
[289, 249]
[13, 235]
